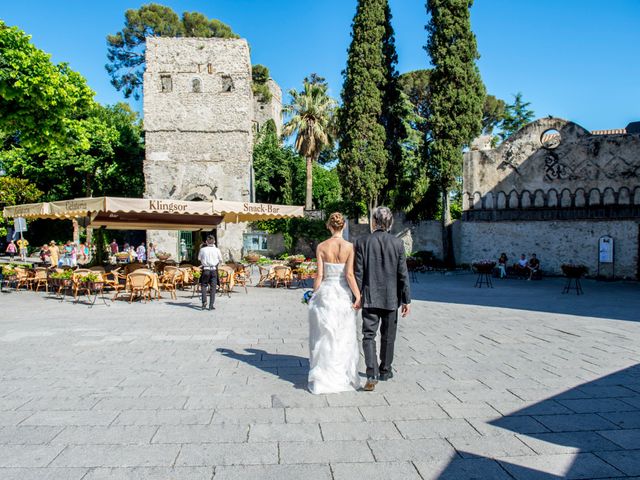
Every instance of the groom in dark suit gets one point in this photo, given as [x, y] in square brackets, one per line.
[381, 274]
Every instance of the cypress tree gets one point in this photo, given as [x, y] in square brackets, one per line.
[363, 150]
[456, 93]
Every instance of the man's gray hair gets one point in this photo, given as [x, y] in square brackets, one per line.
[383, 218]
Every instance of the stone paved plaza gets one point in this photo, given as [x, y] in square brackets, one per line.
[515, 382]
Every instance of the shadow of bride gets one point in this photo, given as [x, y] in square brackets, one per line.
[289, 368]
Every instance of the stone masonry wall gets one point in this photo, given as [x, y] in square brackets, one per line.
[554, 243]
[198, 117]
[271, 110]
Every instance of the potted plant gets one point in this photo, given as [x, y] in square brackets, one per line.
[484, 266]
[574, 270]
[295, 260]
[163, 256]
[252, 257]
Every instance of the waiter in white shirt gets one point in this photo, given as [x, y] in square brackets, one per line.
[209, 257]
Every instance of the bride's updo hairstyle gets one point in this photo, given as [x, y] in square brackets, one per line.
[335, 222]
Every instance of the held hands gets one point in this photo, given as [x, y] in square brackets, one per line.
[357, 305]
[405, 309]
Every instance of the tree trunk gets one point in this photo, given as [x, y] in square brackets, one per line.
[308, 203]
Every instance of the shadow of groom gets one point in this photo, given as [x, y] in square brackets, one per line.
[289, 368]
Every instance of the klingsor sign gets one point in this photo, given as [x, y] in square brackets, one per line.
[157, 205]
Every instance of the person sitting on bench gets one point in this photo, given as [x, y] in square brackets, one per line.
[533, 266]
[520, 268]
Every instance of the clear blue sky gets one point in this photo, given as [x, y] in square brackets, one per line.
[576, 59]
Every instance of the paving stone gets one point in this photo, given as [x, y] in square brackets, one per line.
[467, 410]
[623, 419]
[13, 418]
[414, 412]
[462, 469]
[627, 461]
[142, 403]
[567, 442]
[287, 432]
[628, 439]
[410, 450]
[228, 454]
[547, 467]
[375, 471]
[574, 423]
[249, 415]
[78, 417]
[490, 447]
[28, 455]
[435, 428]
[326, 414]
[597, 405]
[359, 431]
[43, 473]
[114, 435]
[273, 472]
[151, 473]
[164, 417]
[28, 435]
[214, 433]
[324, 452]
[117, 456]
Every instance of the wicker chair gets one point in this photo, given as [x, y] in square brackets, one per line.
[39, 279]
[266, 275]
[242, 276]
[78, 284]
[173, 270]
[282, 275]
[168, 282]
[140, 285]
[225, 276]
[22, 278]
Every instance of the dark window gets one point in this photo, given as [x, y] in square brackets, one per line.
[227, 83]
[166, 83]
[196, 85]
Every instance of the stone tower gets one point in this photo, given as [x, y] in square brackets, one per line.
[199, 116]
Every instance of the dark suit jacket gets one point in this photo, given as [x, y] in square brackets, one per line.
[381, 271]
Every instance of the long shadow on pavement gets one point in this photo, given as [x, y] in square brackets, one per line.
[588, 431]
[289, 368]
[607, 300]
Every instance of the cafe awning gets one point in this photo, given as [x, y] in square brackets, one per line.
[153, 214]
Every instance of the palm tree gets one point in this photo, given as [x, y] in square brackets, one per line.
[311, 120]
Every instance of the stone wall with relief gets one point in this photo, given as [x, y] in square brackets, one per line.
[553, 176]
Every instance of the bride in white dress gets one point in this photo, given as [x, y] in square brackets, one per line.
[333, 343]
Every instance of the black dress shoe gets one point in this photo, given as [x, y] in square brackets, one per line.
[385, 376]
[212, 307]
[204, 306]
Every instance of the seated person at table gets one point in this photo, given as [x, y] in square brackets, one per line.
[521, 267]
[533, 266]
[502, 265]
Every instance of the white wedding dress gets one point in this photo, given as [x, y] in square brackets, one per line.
[333, 343]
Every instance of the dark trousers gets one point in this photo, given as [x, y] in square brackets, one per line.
[388, 322]
[210, 278]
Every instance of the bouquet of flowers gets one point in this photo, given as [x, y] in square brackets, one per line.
[307, 296]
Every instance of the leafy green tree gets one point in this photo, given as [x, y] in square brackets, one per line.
[39, 101]
[15, 191]
[311, 113]
[456, 93]
[456, 89]
[272, 165]
[369, 127]
[126, 48]
[415, 85]
[516, 116]
[493, 112]
[260, 76]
